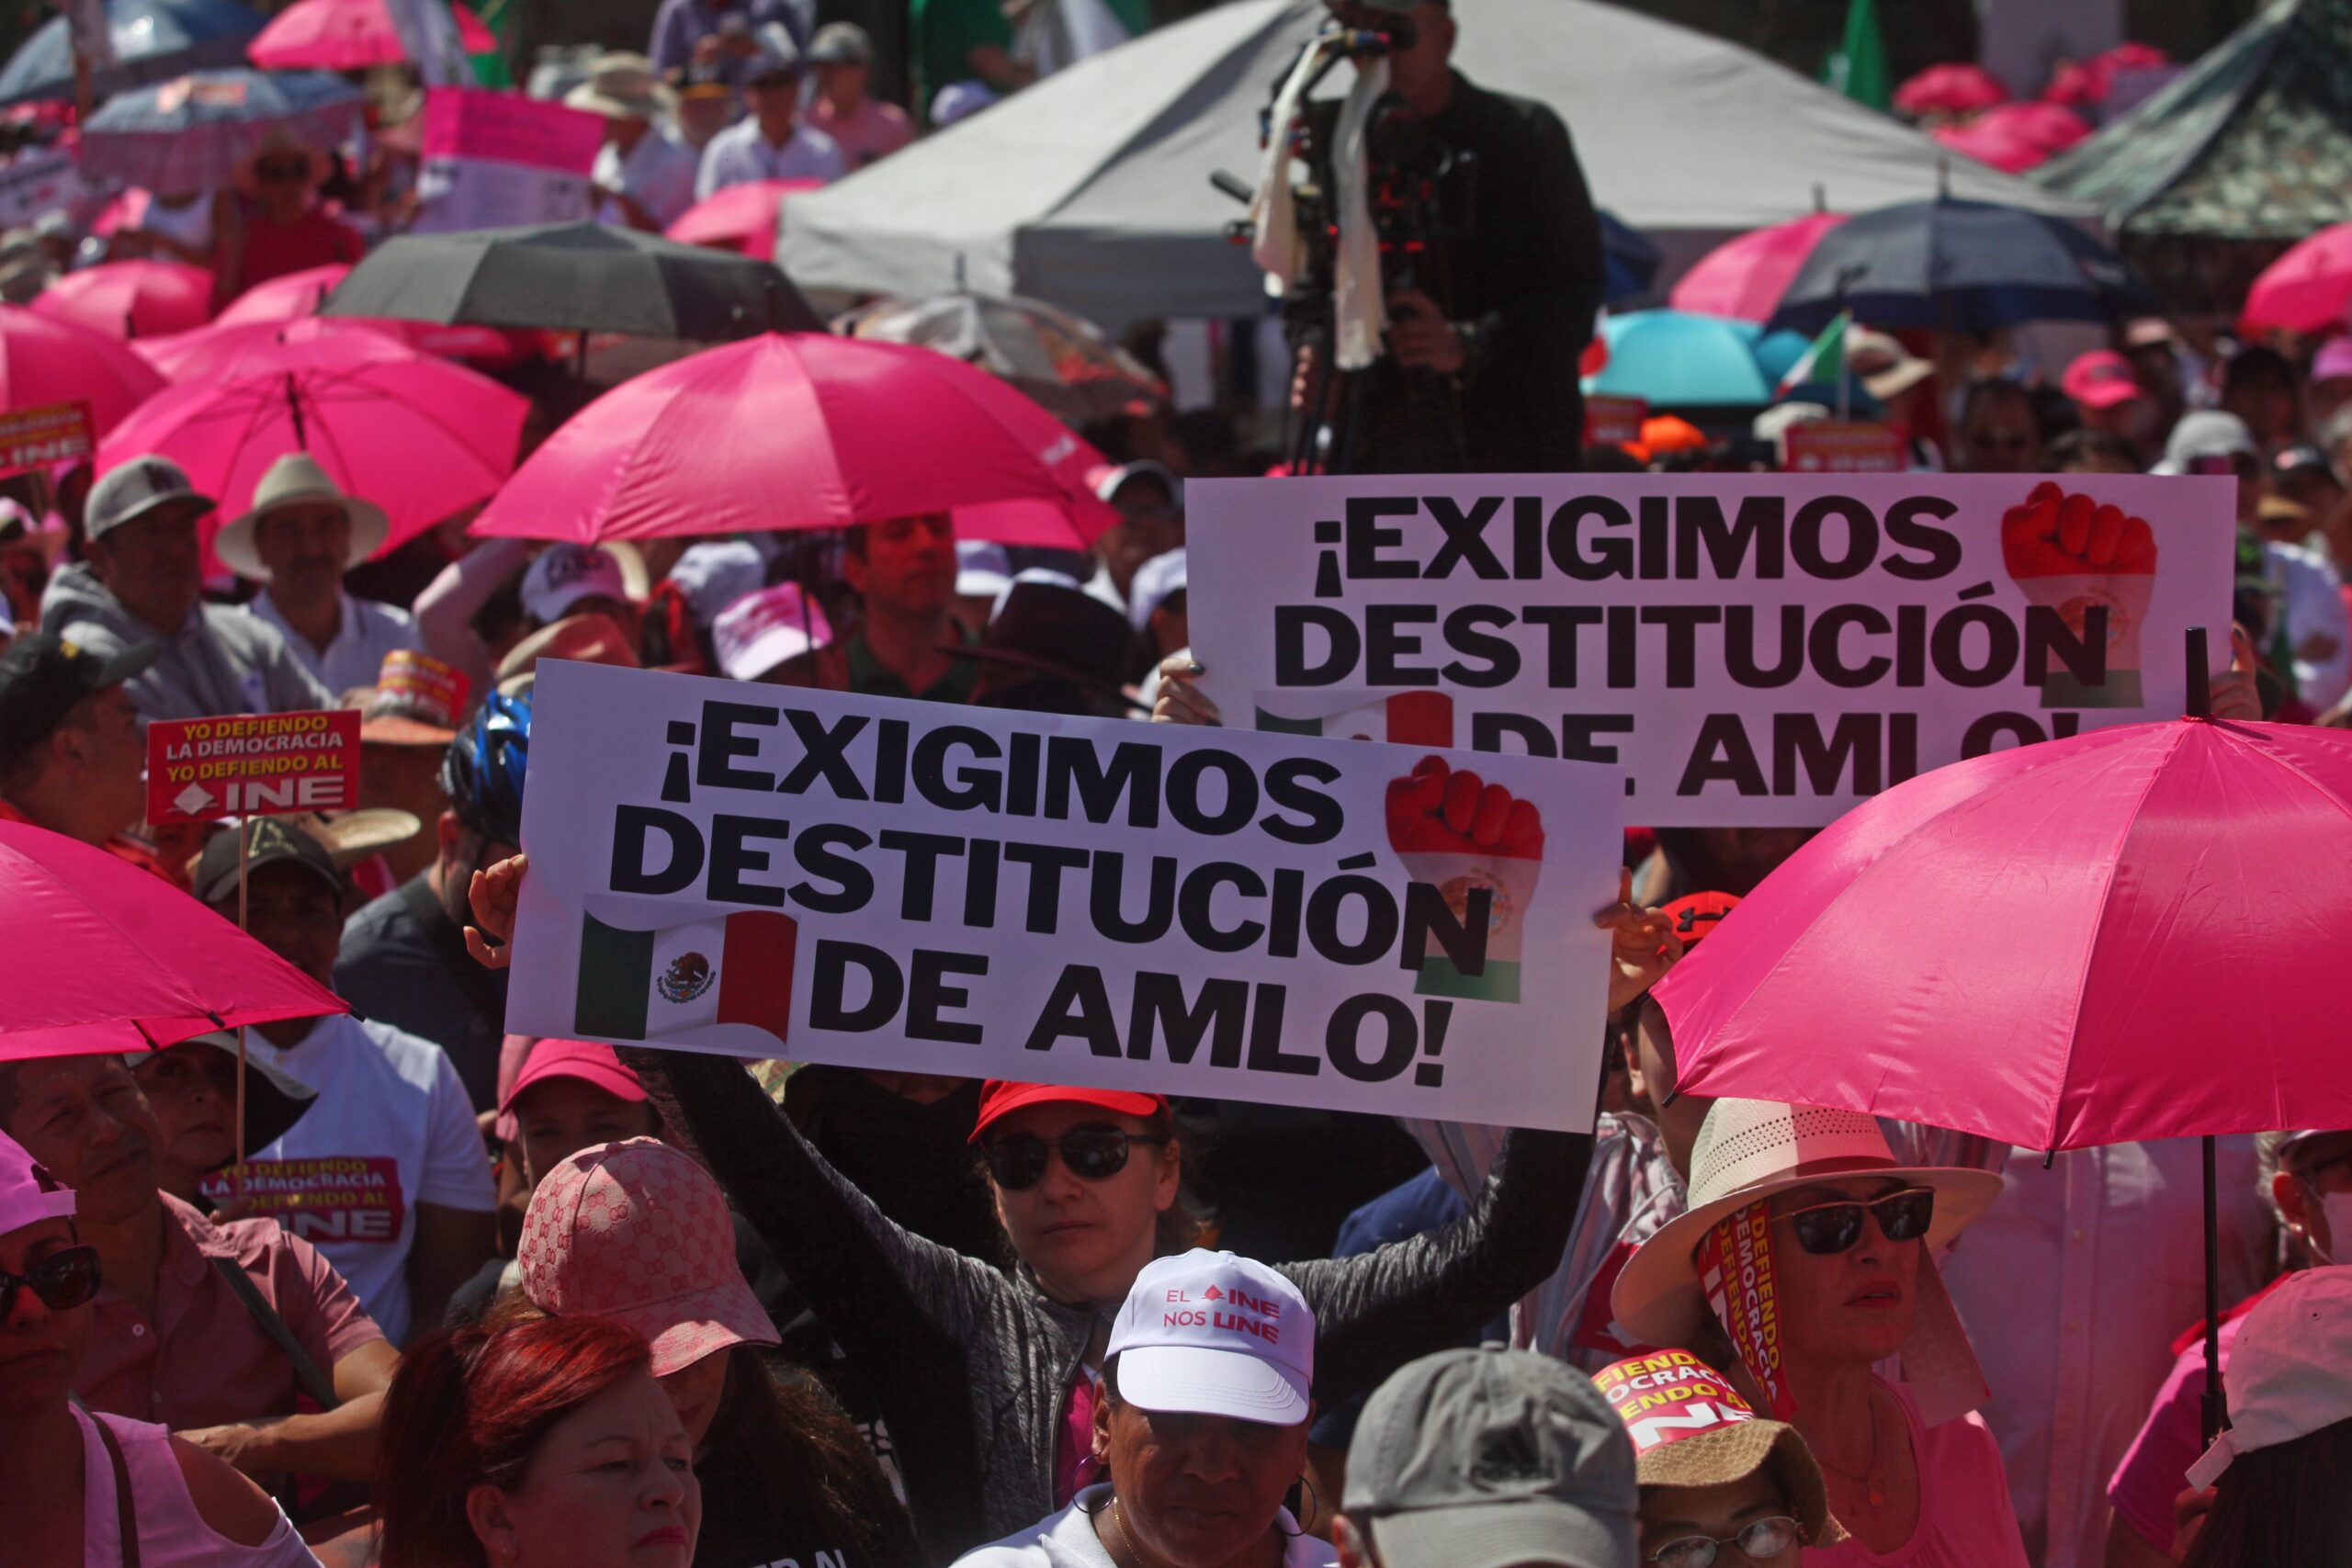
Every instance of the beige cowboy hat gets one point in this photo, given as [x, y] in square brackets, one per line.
[294, 479]
[623, 85]
[1747, 1151]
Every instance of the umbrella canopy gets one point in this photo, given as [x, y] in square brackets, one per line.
[1064, 365]
[1091, 188]
[1676, 359]
[154, 39]
[124, 961]
[739, 217]
[296, 296]
[573, 277]
[348, 35]
[1953, 87]
[130, 299]
[1960, 267]
[1631, 259]
[2093, 907]
[194, 132]
[2306, 290]
[419, 436]
[803, 430]
[2016, 137]
[46, 360]
[1746, 276]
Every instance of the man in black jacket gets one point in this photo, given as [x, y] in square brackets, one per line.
[1502, 306]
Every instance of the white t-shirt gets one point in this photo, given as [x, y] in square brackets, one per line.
[740, 154]
[1067, 1540]
[392, 1128]
[658, 172]
[356, 656]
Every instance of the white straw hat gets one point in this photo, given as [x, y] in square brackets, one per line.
[295, 478]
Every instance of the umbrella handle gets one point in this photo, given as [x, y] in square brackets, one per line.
[2200, 680]
[2214, 1413]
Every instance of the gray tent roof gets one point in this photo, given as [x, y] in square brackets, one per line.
[2254, 141]
[1091, 189]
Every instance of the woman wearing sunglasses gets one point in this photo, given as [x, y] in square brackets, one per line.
[1804, 1261]
[272, 224]
[81, 1490]
[987, 1370]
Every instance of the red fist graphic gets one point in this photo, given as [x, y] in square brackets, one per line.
[1437, 810]
[2071, 553]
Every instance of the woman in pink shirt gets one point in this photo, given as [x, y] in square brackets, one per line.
[272, 223]
[1805, 1261]
[865, 126]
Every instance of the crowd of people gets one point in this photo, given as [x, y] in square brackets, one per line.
[400, 1286]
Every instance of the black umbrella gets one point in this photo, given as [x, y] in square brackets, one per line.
[582, 277]
[1960, 267]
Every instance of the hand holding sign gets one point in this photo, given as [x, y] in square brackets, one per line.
[2072, 554]
[1465, 836]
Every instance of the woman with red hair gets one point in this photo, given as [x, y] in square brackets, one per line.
[543, 1446]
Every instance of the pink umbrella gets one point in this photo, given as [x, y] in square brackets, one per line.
[132, 299]
[1953, 87]
[2307, 290]
[124, 961]
[737, 218]
[419, 436]
[249, 348]
[347, 35]
[1745, 278]
[2000, 147]
[801, 430]
[44, 360]
[2044, 125]
[297, 295]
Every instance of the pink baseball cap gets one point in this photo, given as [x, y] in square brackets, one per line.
[2334, 360]
[29, 1194]
[592, 1064]
[1210, 1333]
[2100, 379]
[638, 1232]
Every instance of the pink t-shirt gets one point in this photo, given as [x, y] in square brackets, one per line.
[2155, 1467]
[1965, 1519]
[873, 129]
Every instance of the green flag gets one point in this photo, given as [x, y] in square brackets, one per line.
[1857, 65]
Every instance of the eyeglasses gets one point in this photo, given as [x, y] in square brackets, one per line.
[1091, 1154]
[272, 171]
[1759, 1541]
[1829, 1228]
[63, 1279]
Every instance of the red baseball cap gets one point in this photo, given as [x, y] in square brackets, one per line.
[1697, 915]
[2100, 379]
[1000, 1096]
[592, 1064]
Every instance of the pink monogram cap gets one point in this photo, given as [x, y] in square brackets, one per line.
[638, 1232]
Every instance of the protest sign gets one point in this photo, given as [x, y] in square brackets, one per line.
[251, 765]
[768, 872]
[45, 434]
[1612, 421]
[36, 181]
[1756, 650]
[428, 36]
[496, 160]
[1843, 446]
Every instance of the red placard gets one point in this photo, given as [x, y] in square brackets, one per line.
[1610, 420]
[44, 434]
[1829, 446]
[251, 765]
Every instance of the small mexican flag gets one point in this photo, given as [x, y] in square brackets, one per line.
[1823, 360]
[1406, 718]
[648, 985]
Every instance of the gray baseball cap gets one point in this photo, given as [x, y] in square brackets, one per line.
[840, 43]
[135, 487]
[1486, 1458]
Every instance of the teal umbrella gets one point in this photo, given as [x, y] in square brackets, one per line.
[1679, 359]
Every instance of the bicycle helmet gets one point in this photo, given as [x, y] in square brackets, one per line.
[482, 772]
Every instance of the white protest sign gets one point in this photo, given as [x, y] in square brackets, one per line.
[428, 36]
[495, 159]
[40, 180]
[1755, 651]
[767, 871]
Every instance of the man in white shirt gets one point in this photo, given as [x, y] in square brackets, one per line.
[385, 1174]
[770, 143]
[644, 174]
[300, 539]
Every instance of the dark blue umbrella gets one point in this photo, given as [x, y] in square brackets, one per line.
[1960, 267]
[153, 39]
[1631, 260]
[192, 133]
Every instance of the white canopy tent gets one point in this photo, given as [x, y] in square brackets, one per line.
[1091, 189]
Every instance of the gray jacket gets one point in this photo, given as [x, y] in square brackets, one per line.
[972, 1366]
[221, 661]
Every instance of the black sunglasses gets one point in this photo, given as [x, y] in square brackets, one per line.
[63, 1281]
[1091, 1153]
[271, 171]
[1830, 1228]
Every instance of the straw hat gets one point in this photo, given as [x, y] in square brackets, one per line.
[1747, 1151]
[622, 85]
[292, 480]
[1692, 1427]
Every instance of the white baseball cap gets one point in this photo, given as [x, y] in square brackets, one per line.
[761, 630]
[562, 575]
[1154, 581]
[2290, 1369]
[1210, 1334]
